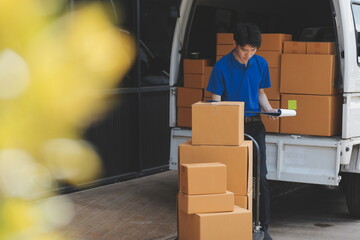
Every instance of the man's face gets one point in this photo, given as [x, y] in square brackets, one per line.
[244, 53]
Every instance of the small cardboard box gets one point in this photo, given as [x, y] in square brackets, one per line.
[245, 201]
[273, 93]
[295, 47]
[224, 38]
[188, 96]
[213, 226]
[238, 160]
[209, 203]
[272, 57]
[274, 41]
[184, 117]
[308, 74]
[320, 48]
[196, 66]
[223, 49]
[203, 178]
[195, 80]
[218, 123]
[272, 125]
[316, 115]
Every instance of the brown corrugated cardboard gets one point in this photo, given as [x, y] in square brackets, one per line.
[196, 66]
[273, 93]
[184, 117]
[202, 178]
[245, 201]
[307, 74]
[222, 50]
[272, 125]
[195, 80]
[218, 57]
[272, 57]
[274, 41]
[320, 48]
[187, 96]
[294, 47]
[209, 203]
[224, 38]
[214, 226]
[218, 123]
[238, 160]
[316, 115]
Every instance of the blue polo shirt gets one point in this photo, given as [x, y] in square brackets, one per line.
[235, 82]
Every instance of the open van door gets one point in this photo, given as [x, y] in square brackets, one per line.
[348, 27]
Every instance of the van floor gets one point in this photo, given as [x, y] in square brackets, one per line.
[145, 209]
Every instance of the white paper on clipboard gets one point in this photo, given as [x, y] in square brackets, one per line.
[279, 113]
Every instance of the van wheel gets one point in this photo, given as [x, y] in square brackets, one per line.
[353, 194]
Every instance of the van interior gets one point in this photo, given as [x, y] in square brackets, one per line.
[306, 20]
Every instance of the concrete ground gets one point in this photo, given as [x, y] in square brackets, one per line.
[145, 209]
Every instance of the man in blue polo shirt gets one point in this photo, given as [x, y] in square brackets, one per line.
[242, 76]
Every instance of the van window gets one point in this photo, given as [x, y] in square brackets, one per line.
[356, 14]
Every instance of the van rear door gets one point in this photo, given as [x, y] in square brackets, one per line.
[348, 26]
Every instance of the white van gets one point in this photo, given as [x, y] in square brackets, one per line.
[294, 158]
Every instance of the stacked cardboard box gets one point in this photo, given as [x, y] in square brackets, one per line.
[307, 85]
[196, 76]
[272, 47]
[224, 44]
[218, 136]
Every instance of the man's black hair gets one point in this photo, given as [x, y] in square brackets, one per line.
[247, 34]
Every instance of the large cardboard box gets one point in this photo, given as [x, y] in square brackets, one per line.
[234, 225]
[218, 123]
[224, 38]
[272, 125]
[274, 41]
[188, 96]
[294, 47]
[320, 48]
[184, 117]
[316, 115]
[307, 74]
[208, 203]
[245, 201]
[203, 178]
[272, 57]
[238, 160]
[273, 93]
[196, 66]
[222, 49]
[195, 80]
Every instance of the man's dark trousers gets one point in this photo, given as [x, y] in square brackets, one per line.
[257, 130]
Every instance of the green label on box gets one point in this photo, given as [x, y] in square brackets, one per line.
[292, 104]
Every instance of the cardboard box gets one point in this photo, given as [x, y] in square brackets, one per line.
[222, 50]
[273, 93]
[238, 160]
[218, 123]
[188, 96]
[209, 203]
[272, 57]
[316, 115]
[202, 178]
[184, 117]
[307, 74]
[224, 38]
[245, 201]
[274, 41]
[294, 47]
[214, 226]
[320, 48]
[218, 57]
[272, 125]
[196, 66]
[195, 80]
